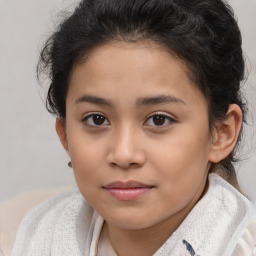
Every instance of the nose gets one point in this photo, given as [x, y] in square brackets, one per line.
[126, 149]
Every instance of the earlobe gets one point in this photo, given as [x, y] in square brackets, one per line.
[60, 129]
[226, 134]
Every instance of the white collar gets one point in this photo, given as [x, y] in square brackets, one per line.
[214, 224]
[66, 225]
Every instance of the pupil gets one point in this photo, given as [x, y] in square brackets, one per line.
[98, 120]
[158, 120]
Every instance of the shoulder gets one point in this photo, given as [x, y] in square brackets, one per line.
[242, 212]
[230, 196]
[55, 205]
[246, 245]
[58, 219]
[13, 210]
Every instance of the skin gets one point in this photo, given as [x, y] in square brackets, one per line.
[126, 84]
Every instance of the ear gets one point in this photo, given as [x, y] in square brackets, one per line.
[60, 129]
[226, 134]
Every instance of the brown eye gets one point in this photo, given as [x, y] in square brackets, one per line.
[98, 120]
[159, 120]
[95, 120]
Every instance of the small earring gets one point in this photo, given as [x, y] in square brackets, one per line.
[70, 164]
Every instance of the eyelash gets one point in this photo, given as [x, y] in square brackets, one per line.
[105, 121]
[167, 118]
[91, 115]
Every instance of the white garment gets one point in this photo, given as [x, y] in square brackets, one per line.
[66, 225]
[104, 244]
[247, 243]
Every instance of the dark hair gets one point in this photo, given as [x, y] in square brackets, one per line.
[202, 33]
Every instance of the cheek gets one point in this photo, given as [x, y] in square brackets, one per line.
[182, 172]
[87, 170]
[182, 158]
[182, 150]
[87, 159]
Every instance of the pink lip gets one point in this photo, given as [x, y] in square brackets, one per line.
[127, 190]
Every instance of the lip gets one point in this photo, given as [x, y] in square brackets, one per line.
[127, 191]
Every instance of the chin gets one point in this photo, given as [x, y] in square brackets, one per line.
[131, 222]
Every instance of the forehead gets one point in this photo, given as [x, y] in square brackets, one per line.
[115, 55]
[143, 66]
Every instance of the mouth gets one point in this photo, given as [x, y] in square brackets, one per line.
[127, 191]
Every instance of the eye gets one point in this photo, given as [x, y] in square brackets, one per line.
[95, 120]
[159, 120]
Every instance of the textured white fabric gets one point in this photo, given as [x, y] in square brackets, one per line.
[66, 225]
[13, 210]
[247, 243]
[215, 224]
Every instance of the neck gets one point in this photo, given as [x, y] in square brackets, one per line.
[143, 242]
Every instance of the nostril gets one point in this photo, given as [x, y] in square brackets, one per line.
[134, 164]
[125, 165]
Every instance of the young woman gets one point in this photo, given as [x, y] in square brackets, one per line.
[148, 107]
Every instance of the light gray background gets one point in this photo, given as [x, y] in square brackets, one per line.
[30, 154]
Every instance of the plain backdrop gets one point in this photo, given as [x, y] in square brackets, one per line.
[31, 155]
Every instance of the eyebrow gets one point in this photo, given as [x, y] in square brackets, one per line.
[94, 100]
[154, 100]
[159, 100]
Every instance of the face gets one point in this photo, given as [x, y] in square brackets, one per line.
[137, 134]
